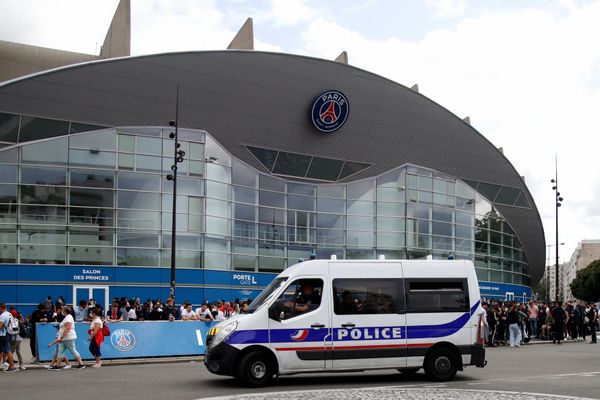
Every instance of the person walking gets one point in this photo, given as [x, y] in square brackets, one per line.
[96, 336]
[593, 321]
[6, 338]
[15, 346]
[560, 319]
[66, 341]
[514, 327]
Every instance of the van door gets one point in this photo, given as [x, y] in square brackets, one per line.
[368, 320]
[299, 324]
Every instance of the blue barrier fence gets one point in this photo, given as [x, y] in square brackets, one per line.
[134, 339]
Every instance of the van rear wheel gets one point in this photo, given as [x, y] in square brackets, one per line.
[255, 369]
[441, 364]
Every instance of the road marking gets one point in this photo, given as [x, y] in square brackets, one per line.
[478, 383]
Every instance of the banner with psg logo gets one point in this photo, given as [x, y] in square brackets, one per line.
[134, 339]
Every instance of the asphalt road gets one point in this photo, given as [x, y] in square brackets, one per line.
[572, 369]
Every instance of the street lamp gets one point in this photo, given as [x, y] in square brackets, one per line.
[548, 270]
[177, 159]
[557, 201]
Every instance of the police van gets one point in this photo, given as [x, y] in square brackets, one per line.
[355, 315]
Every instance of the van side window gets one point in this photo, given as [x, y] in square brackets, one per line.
[368, 296]
[437, 295]
[300, 297]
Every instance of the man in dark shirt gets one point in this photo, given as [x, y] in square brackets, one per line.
[39, 315]
[170, 312]
[347, 304]
[307, 299]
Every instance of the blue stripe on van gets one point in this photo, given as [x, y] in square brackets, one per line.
[367, 333]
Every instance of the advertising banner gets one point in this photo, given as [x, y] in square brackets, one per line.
[133, 339]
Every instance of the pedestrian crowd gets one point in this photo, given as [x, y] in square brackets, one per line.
[513, 324]
[14, 327]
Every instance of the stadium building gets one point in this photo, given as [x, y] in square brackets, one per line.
[286, 156]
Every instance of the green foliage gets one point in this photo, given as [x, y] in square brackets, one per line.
[586, 285]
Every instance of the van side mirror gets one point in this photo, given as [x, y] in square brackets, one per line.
[281, 315]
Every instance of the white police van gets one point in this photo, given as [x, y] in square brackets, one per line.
[355, 315]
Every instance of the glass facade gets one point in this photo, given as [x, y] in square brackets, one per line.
[101, 198]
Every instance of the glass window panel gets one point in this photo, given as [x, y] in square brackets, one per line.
[167, 203]
[271, 216]
[91, 237]
[196, 205]
[440, 199]
[214, 150]
[33, 128]
[488, 190]
[94, 141]
[139, 220]
[451, 188]
[246, 229]
[43, 254]
[412, 181]
[333, 191]
[139, 200]
[425, 183]
[357, 207]
[47, 152]
[323, 253]
[442, 243]
[271, 183]
[440, 186]
[466, 232]
[351, 168]
[390, 209]
[148, 163]
[464, 218]
[218, 226]
[395, 194]
[324, 169]
[36, 235]
[196, 167]
[43, 176]
[90, 255]
[42, 214]
[522, 201]
[136, 181]
[441, 214]
[127, 143]
[423, 226]
[331, 206]
[418, 211]
[465, 191]
[392, 179]
[87, 158]
[301, 203]
[8, 252]
[126, 161]
[291, 164]
[272, 199]
[92, 217]
[31, 194]
[441, 228]
[265, 156]
[184, 259]
[91, 197]
[219, 173]
[244, 195]
[8, 194]
[508, 195]
[138, 257]
[359, 239]
[218, 208]
[195, 223]
[191, 242]
[196, 151]
[465, 204]
[331, 221]
[271, 232]
[411, 196]
[425, 197]
[390, 224]
[182, 222]
[77, 127]
[359, 223]
[218, 190]
[93, 179]
[464, 245]
[361, 190]
[147, 145]
[298, 188]
[9, 127]
[243, 175]
[330, 237]
[390, 240]
[138, 239]
[245, 212]
[271, 264]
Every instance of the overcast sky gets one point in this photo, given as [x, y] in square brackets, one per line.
[527, 72]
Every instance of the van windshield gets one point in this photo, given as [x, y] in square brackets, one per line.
[266, 294]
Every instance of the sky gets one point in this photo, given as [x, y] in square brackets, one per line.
[527, 72]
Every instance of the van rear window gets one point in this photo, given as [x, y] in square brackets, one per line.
[437, 295]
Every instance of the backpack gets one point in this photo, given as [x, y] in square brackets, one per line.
[13, 326]
[105, 330]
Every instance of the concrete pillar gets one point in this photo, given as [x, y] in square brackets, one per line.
[117, 42]
[244, 39]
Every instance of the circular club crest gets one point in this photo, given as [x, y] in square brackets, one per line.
[330, 111]
[122, 339]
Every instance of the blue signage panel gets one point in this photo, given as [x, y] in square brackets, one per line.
[134, 339]
[502, 290]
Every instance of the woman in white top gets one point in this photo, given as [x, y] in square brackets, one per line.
[66, 340]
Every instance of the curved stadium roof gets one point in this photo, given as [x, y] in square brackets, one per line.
[251, 98]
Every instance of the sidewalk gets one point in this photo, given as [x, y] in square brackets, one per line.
[26, 353]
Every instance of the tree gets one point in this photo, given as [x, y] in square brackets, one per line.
[586, 285]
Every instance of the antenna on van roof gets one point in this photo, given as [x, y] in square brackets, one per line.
[450, 256]
[333, 257]
[382, 257]
[429, 257]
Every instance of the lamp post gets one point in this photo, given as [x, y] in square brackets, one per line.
[177, 159]
[549, 246]
[558, 200]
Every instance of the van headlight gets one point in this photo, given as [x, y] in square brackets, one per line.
[223, 334]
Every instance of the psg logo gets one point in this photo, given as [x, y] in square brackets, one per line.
[122, 339]
[329, 111]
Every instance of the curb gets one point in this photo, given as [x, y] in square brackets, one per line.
[131, 361]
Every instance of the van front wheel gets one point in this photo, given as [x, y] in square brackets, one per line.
[441, 364]
[255, 369]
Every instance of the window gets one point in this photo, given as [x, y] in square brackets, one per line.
[368, 296]
[40, 128]
[437, 295]
[9, 127]
[300, 297]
